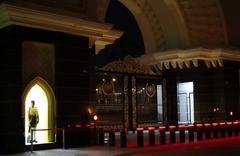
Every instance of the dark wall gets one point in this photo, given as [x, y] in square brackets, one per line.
[69, 78]
[216, 92]
[11, 132]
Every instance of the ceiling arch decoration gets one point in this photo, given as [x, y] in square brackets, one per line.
[156, 27]
[143, 23]
[205, 22]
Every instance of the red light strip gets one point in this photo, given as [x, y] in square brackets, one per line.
[214, 124]
[229, 123]
[48, 129]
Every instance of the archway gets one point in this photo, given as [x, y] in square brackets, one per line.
[39, 91]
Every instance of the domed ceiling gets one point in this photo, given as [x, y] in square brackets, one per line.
[163, 24]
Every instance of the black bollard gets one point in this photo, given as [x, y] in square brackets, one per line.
[162, 136]
[151, 135]
[207, 128]
[123, 138]
[223, 129]
[229, 128]
[100, 136]
[236, 128]
[191, 133]
[181, 133]
[199, 132]
[215, 130]
[140, 141]
[112, 137]
[172, 130]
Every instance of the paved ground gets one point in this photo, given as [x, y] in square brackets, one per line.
[229, 146]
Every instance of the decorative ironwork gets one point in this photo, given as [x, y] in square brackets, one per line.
[134, 103]
[126, 120]
[150, 90]
[108, 88]
[127, 65]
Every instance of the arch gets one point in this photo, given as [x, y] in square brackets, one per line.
[144, 26]
[51, 103]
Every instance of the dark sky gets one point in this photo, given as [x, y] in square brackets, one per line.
[130, 43]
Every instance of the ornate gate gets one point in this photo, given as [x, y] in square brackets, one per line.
[126, 99]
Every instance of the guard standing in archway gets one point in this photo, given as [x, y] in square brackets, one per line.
[33, 119]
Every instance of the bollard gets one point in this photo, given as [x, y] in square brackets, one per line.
[236, 128]
[223, 129]
[151, 135]
[172, 130]
[229, 128]
[140, 140]
[181, 133]
[199, 132]
[190, 132]
[207, 128]
[123, 138]
[215, 130]
[112, 137]
[100, 136]
[162, 136]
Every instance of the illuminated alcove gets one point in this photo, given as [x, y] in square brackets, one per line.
[39, 91]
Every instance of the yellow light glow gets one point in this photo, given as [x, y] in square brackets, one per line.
[37, 94]
[114, 79]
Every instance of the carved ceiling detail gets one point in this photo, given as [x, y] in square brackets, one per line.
[205, 22]
[188, 58]
[155, 23]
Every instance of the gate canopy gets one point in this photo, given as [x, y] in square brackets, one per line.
[189, 58]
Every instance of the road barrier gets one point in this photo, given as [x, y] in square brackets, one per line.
[172, 130]
[140, 140]
[162, 136]
[151, 133]
[202, 130]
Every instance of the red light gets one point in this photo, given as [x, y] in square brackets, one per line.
[235, 122]
[172, 127]
[95, 117]
[181, 126]
[199, 125]
[214, 124]
[151, 128]
[78, 125]
[162, 127]
[222, 123]
[229, 123]
[190, 126]
[207, 124]
[139, 129]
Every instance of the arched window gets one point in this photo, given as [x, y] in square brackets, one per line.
[39, 91]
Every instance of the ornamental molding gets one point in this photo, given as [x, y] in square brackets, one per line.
[184, 58]
[11, 14]
[127, 65]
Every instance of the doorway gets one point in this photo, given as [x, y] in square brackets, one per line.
[185, 102]
[40, 92]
